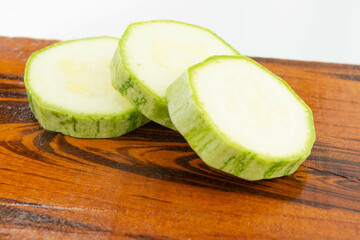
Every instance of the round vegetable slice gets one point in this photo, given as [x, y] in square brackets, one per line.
[69, 90]
[241, 118]
[151, 55]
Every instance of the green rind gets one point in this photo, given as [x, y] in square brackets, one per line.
[214, 147]
[147, 102]
[81, 125]
[145, 99]
[86, 126]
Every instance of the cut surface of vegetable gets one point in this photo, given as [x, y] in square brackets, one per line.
[69, 90]
[151, 55]
[241, 118]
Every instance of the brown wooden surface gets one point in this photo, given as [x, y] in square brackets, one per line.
[149, 184]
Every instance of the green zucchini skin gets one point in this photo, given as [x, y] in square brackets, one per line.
[86, 126]
[140, 96]
[214, 147]
[147, 101]
[80, 125]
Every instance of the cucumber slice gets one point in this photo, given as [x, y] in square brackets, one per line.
[241, 118]
[69, 89]
[151, 55]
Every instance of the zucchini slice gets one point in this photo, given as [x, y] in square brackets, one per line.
[151, 55]
[69, 90]
[241, 118]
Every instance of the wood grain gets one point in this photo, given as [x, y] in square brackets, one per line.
[149, 184]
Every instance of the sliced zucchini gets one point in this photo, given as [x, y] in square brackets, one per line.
[69, 90]
[151, 55]
[241, 118]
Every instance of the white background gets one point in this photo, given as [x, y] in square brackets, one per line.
[317, 30]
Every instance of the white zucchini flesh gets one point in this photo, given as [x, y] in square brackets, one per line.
[69, 90]
[241, 118]
[151, 55]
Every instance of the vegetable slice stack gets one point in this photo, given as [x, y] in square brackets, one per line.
[241, 118]
[151, 55]
[69, 90]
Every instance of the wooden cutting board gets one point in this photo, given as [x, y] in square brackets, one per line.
[149, 184]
